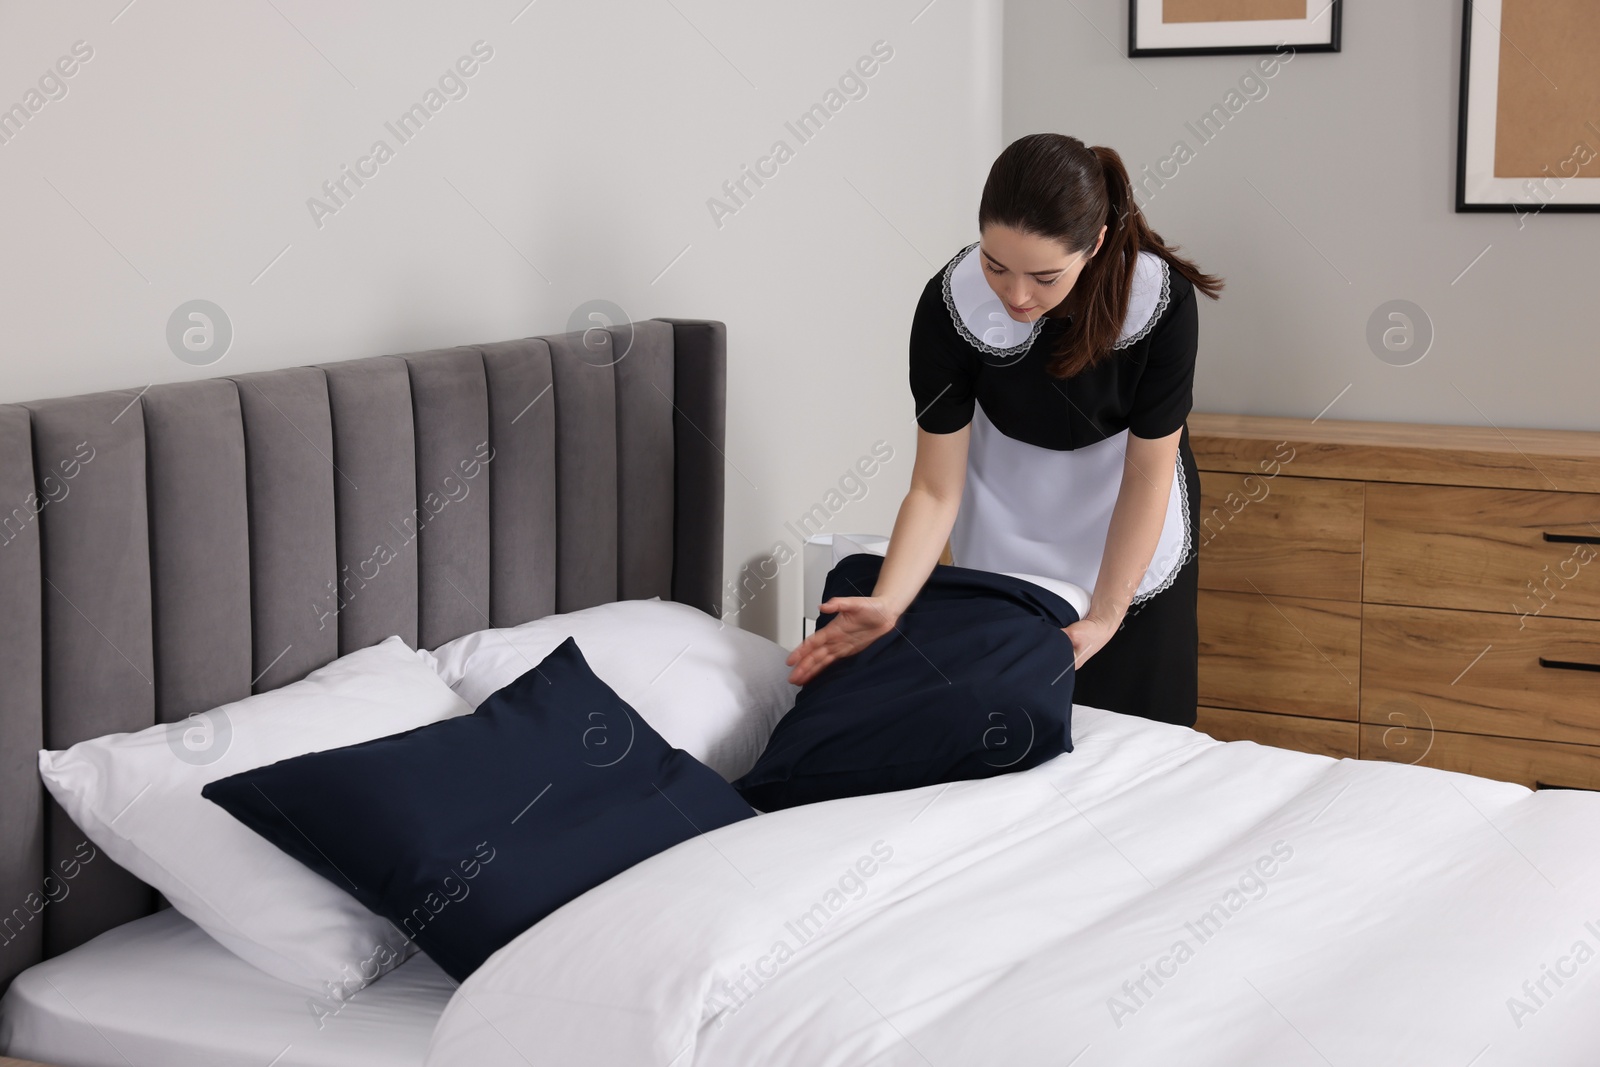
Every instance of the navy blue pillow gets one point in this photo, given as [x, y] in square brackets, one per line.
[975, 680]
[466, 832]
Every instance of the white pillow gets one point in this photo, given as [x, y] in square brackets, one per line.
[709, 688]
[1076, 595]
[137, 797]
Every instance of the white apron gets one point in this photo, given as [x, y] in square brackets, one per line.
[1040, 511]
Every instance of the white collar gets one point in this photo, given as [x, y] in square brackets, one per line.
[1152, 289]
[982, 320]
[979, 315]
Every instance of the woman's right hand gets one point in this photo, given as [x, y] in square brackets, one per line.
[858, 621]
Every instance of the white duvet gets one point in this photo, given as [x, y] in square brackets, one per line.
[1154, 897]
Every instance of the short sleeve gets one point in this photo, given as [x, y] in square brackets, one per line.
[942, 373]
[1165, 393]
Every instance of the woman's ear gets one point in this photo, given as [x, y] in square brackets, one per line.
[1098, 241]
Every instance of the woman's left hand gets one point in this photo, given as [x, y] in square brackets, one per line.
[1089, 635]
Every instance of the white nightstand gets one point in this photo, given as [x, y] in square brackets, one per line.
[822, 551]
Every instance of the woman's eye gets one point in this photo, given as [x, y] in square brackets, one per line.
[1049, 281]
[992, 270]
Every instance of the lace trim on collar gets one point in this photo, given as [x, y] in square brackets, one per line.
[1016, 350]
[1146, 298]
[1142, 295]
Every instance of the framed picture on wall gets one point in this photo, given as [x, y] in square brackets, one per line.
[1529, 138]
[1232, 27]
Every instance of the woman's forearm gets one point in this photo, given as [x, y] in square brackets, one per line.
[920, 532]
[1135, 529]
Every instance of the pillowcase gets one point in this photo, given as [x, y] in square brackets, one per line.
[709, 688]
[975, 680]
[138, 797]
[465, 833]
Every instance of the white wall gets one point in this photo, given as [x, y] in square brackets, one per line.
[578, 166]
[1357, 152]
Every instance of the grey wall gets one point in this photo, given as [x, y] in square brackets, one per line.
[576, 167]
[1322, 200]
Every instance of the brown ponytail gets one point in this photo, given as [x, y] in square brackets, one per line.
[1053, 186]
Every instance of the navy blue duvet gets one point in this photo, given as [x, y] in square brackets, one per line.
[974, 681]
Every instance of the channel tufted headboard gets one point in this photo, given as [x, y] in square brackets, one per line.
[167, 550]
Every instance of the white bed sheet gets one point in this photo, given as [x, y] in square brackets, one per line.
[1396, 915]
[159, 992]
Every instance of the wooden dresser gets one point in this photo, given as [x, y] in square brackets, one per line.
[1423, 594]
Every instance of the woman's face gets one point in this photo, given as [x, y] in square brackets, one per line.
[1030, 274]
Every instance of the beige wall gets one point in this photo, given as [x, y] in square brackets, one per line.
[577, 166]
[1320, 201]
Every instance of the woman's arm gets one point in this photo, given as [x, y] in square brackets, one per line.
[1136, 521]
[920, 532]
[926, 516]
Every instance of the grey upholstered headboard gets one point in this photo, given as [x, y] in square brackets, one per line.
[174, 548]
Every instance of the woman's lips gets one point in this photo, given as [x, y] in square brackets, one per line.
[1017, 310]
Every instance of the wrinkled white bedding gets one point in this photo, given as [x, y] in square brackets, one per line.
[1153, 897]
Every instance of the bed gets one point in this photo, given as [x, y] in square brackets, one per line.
[1152, 896]
[169, 549]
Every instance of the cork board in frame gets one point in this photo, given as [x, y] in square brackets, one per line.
[1232, 27]
[1529, 132]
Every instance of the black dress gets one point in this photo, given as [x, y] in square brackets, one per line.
[1047, 454]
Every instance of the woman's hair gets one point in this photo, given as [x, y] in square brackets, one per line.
[1051, 185]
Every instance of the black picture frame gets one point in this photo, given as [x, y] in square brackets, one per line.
[1463, 205]
[1332, 45]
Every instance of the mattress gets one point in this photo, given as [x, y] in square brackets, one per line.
[158, 990]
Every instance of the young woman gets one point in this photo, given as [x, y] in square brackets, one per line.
[1052, 365]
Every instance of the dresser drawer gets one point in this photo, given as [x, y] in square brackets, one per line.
[1480, 673]
[1511, 551]
[1534, 764]
[1287, 655]
[1324, 737]
[1281, 535]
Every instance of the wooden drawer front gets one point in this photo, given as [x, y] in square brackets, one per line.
[1285, 655]
[1484, 549]
[1478, 673]
[1281, 536]
[1529, 763]
[1325, 737]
